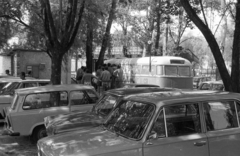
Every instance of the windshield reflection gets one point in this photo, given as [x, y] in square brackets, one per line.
[130, 119]
[105, 105]
[9, 88]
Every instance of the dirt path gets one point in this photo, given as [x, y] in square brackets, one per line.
[16, 146]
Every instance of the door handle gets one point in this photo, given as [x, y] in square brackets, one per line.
[200, 143]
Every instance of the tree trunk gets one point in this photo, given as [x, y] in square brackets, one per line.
[157, 50]
[107, 33]
[89, 48]
[212, 44]
[165, 40]
[224, 26]
[235, 51]
[125, 42]
[56, 68]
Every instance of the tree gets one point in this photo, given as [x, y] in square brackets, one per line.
[229, 81]
[58, 24]
[107, 32]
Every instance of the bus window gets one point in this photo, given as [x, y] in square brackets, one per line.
[171, 70]
[153, 70]
[138, 69]
[145, 69]
[184, 71]
[159, 70]
[133, 69]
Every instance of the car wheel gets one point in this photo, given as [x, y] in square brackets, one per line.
[39, 133]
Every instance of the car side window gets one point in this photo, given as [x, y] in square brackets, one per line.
[220, 115]
[45, 100]
[28, 85]
[205, 86]
[43, 83]
[80, 98]
[93, 97]
[180, 120]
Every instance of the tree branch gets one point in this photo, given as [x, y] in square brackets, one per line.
[204, 16]
[170, 33]
[74, 34]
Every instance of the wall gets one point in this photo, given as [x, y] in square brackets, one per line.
[5, 63]
[25, 59]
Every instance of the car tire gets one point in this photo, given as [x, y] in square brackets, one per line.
[38, 133]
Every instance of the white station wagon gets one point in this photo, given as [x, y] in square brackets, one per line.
[26, 115]
[6, 93]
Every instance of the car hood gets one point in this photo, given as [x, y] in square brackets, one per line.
[95, 141]
[74, 121]
[6, 99]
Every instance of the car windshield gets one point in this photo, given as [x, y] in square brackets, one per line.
[2, 84]
[105, 105]
[130, 119]
[9, 88]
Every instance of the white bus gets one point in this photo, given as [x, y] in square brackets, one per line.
[165, 71]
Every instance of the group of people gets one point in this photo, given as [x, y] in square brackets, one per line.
[107, 75]
[22, 74]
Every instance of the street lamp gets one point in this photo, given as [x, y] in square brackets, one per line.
[150, 64]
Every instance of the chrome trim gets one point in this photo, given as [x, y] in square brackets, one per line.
[165, 122]
[236, 111]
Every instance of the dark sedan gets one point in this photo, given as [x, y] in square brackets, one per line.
[108, 101]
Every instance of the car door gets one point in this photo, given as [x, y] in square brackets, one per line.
[177, 131]
[56, 103]
[30, 113]
[82, 100]
[222, 124]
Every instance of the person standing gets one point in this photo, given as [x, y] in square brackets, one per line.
[7, 72]
[106, 79]
[89, 79]
[23, 76]
[80, 73]
[99, 71]
[118, 73]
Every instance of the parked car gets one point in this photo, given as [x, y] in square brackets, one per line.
[26, 115]
[212, 85]
[134, 85]
[79, 120]
[6, 94]
[5, 81]
[198, 80]
[204, 123]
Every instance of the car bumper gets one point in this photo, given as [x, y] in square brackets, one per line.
[9, 128]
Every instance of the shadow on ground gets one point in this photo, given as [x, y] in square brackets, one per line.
[16, 146]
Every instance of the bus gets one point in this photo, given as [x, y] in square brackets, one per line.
[165, 71]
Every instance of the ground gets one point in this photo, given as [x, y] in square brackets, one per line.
[16, 146]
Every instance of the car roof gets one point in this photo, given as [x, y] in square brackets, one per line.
[157, 98]
[129, 91]
[141, 85]
[213, 82]
[50, 88]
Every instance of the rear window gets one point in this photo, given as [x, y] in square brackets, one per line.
[184, 71]
[171, 70]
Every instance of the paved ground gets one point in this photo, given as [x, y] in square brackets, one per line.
[15, 146]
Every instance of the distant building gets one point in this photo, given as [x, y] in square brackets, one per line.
[36, 62]
[5, 64]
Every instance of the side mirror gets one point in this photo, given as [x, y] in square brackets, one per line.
[11, 93]
[152, 135]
